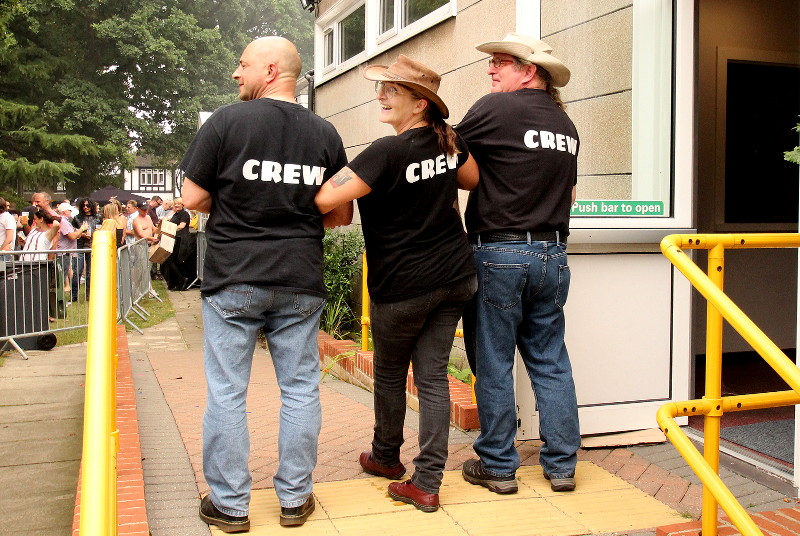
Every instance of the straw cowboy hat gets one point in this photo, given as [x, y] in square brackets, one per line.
[533, 50]
[413, 74]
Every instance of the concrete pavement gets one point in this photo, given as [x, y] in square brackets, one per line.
[41, 416]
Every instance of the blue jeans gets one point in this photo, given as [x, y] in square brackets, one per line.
[79, 261]
[417, 331]
[522, 289]
[231, 319]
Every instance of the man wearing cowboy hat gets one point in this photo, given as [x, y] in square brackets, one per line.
[518, 222]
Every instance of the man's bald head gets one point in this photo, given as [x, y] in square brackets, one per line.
[280, 51]
[269, 67]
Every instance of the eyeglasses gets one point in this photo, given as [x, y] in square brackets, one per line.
[497, 62]
[389, 91]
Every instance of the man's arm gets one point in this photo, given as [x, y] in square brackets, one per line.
[75, 233]
[468, 174]
[341, 215]
[53, 231]
[574, 195]
[195, 197]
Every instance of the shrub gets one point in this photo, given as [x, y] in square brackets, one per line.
[342, 261]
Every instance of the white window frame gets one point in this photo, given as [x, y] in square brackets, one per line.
[154, 176]
[375, 43]
[666, 149]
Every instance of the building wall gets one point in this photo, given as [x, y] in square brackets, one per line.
[348, 101]
[594, 38]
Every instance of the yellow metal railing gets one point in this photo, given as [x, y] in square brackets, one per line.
[98, 508]
[713, 405]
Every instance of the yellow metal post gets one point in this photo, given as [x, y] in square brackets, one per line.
[713, 388]
[98, 472]
[364, 304]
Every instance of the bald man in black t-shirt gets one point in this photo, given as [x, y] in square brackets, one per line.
[518, 222]
[255, 167]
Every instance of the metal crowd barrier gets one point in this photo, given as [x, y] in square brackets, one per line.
[133, 281]
[201, 246]
[36, 293]
[36, 298]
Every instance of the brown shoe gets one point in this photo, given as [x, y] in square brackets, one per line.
[392, 472]
[407, 492]
[297, 515]
[224, 522]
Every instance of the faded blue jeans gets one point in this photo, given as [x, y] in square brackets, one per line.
[522, 289]
[231, 318]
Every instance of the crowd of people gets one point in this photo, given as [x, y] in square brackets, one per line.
[47, 226]
[507, 275]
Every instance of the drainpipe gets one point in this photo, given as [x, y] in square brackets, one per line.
[309, 76]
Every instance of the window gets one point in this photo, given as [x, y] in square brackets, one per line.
[387, 16]
[414, 10]
[327, 39]
[153, 178]
[627, 173]
[351, 34]
[355, 30]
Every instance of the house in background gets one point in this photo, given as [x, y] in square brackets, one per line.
[683, 109]
[147, 180]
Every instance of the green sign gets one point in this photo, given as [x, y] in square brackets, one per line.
[617, 208]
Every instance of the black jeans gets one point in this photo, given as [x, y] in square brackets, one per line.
[417, 331]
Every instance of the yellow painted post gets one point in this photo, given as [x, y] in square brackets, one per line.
[364, 304]
[97, 517]
[709, 477]
[112, 401]
[713, 388]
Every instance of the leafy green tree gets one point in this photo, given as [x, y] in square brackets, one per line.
[86, 83]
[30, 154]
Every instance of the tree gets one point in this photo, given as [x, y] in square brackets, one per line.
[30, 154]
[121, 75]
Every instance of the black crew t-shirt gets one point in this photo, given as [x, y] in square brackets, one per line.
[263, 162]
[527, 150]
[414, 237]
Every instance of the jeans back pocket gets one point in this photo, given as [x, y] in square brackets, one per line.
[503, 283]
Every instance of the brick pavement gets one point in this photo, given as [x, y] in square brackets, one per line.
[174, 353]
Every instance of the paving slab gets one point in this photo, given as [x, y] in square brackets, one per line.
[41, 425]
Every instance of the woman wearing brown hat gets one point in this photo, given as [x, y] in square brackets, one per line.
[420, 270]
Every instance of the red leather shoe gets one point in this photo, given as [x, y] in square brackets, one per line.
[407, 492]
[392, 472]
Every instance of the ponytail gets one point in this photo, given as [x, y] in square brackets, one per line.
[551, 90]
[445, 134]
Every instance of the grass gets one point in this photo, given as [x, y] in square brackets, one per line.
[159, 311]
[455, 370]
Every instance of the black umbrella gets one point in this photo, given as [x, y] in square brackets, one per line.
[104, 194]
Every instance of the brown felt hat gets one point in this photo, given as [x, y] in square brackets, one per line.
[413, 74]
